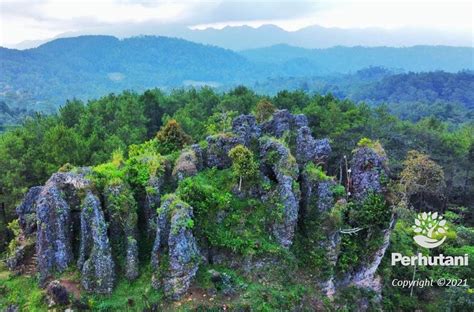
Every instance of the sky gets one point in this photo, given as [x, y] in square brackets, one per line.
[22, 20]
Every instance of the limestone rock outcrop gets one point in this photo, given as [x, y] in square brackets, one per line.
[152, 203]
[310, 149]
[174, 234]
[54, 205]
[27, 210]
[246, 128]
[282, 166]
[186, 165]
[95, 255]
[70, 225]
[368, 170]
[218, 149]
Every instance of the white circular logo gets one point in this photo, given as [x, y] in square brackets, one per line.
[429, 228]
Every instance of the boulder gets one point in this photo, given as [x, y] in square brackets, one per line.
[186, 165]
[200, 156]
[56, 294]
[283, 121]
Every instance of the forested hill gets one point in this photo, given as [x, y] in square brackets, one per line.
[423, 87]
[89, 66]
[86, 67]
[350, 59]
[413, 96]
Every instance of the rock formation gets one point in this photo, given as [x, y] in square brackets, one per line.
[368, 169]
[76, 217]
[174, 234]
[122, 210]
[282, 166]
[95, 256]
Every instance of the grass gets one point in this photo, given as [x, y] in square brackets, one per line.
[20, 290]
[128, 296]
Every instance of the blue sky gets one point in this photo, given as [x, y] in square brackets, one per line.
[41, 19]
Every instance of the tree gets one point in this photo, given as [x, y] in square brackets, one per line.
[243, 164]
[264, 110]
[172, 137]
[421, 179]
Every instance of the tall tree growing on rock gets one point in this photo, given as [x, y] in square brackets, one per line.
[264, 110]
[243, 164]
[422, 179]
[172, 137]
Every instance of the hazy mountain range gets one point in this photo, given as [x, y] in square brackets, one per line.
[245, 37]
[85, 67]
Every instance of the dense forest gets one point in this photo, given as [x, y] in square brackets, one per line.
[108, 134]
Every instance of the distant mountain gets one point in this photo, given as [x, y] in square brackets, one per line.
[350, 59]
[85, 67]
[244, 37]
[91, 66]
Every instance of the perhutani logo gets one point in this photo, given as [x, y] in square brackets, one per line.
[430, 232]
[430, 229]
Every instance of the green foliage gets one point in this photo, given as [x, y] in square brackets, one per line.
[171, 137]
[316, 173]
[375, 145]
[264, 110]
[223, 219]
[220, 122]
[372, 216]
[338, 190]
[137, 295]
[13, 291]
[243, 165]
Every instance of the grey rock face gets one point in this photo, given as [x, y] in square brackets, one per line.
[218, 149]
[283, 166]
[65, 195]
[200, 156]
[368, 168]
[176, 218]
[310, 149]
[26, 211]
[152, 203]
[316, 194]
[54, 241]
[57, 294]
[162, 231]
[283, 121]
[246, 128]
[279, 124]
[95, 257]
[300, 121]
[186, 165]
[183, 253]
[325, 196]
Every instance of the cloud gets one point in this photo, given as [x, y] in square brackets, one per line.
[41, 19]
